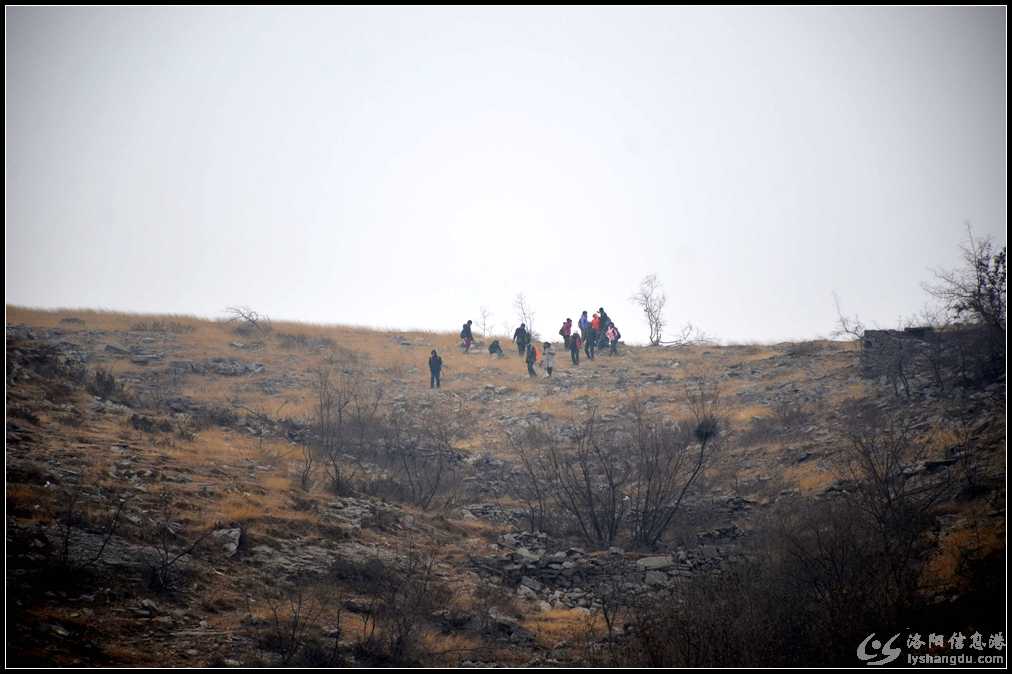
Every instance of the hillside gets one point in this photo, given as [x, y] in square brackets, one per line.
[188, 492]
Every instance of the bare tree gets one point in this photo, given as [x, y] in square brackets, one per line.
[977, 292]
[846, 326]
[651, 299]
[484, 320]
[524, 312]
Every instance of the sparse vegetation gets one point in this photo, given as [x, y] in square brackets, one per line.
[777, 540]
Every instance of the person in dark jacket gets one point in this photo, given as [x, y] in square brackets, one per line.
[495, 349]
[435, 367]
[574, 348]
[465, 334]
[605, 319]
[521, 338]
[584, 325]
[532, 358]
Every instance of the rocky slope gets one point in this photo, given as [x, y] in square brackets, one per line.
[160, 510]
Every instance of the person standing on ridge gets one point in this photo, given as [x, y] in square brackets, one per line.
[584, 325]
[435, 366]
[595, 336]
[613, 336]
[465, 334]
[548, 358]
[605, 318]
[574, 348]
[521, 338]
[566, 331]
[532, 358]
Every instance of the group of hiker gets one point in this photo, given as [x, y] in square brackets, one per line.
[596, 332]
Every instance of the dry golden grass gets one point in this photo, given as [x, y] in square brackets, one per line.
[94, 319]
[550, 628]
[967, 539]
[449, 648]
[211, 447]
[809, 477]
[744, 414]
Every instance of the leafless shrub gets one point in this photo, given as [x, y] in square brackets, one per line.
[406, 599]
[812, 584]
[690, 335]
[169, 547]
[629, 476]
[417, 448]
[535, 483]
[332, 399]
[588, 479]
[295, 630]
[248, 321]
[893, 486]
[104, 385]
[978, 292]
[667, 462]
[72, 522]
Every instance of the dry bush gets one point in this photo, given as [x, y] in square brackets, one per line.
[403, 600]
[169, 547]
[893, 487]
[629, 477]
[302, 626]
[104, 385]
[977, 293]
[73, 521]
[248, 322]
[667, 463]
[812, 588]
[416, 449]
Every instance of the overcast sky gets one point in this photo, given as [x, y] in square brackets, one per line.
[404, 167]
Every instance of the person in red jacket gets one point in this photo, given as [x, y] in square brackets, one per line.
[594, 337]
[566, 331]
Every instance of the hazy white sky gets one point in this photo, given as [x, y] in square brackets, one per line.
[404, 167]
